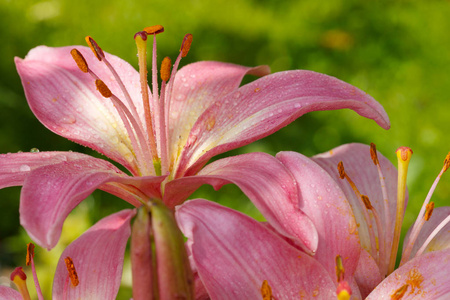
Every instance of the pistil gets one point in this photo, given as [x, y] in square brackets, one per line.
[403, 157]
[19, 278]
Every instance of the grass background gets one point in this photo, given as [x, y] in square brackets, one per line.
[397, 51]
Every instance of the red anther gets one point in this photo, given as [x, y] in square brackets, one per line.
[186, 44]
[95, 48]
[155, 29]
[30, 253]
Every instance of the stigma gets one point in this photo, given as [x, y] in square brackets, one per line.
[149, 134]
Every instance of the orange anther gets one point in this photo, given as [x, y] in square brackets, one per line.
[373, 153]
[165, 68]
[30, 253]
[447, 162]
[429, 211]
[341, 170]
[366, 201]
[72, 272]
[103, 88]
[155, 29]
[186, 44]
[95, 48]
[266, 291]
[79, 59]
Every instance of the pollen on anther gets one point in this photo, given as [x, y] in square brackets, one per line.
[79, 59]
[95, 48]
[72, 272]
[103, 88]
[155, 29]
[373, 153]
[429, 210]
[447, 162]
[266, 291]
[366, 201]
[186, 44]
[165, 68]
[30, 253]
[341, 170]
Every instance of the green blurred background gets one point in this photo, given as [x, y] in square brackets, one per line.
[397, 51]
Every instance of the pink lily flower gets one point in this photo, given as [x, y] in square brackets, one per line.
[162, 138]
[233, 254]
[89, 268]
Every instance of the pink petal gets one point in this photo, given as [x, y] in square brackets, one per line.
[266, 105]
[51, 192]
[15, 167]
[196, 87]
[426, 275]
[367, 274]
[234, 254]
[322, 200]
[9, 293]
[98, 259]
[442, 240]
[267, 184]
[361, 169]
[65, 99]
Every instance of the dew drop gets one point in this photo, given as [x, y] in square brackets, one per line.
[25, 168]
[34, 150]
[297, 105]
[129, 157]
[68, 119]
[79, 109]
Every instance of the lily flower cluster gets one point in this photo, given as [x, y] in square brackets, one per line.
[163, 137]
[351, 246]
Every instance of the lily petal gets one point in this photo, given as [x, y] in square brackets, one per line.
[51, 192]
[98, 259]
[361, 169]
[9, 293]
[367, 274]
[65, 99]
[322, 200]
[196, 87]
[234, 254]
[426, 276]
[15, 167]
[263, 106]
[267, 184]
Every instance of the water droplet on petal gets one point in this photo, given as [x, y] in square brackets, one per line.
[34, 150]
[297, 105]
[68, 119]
[25, 168]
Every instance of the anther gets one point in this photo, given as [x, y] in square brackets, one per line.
[165, 68]
[95, 48]
[30, 253]
[155, 29]
[373, 153]
[400, 292]
[266, 291]
[429, 211]
[72, 272]
[103, 88]
[341, 170]
[79, 59]
[447, 162]
[366, 202]
[186, 44]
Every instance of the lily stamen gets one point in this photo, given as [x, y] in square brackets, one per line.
[266, 291]
[373, 243]
[374, 156]
[30, 261]
[126, 117]
[425, 212]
